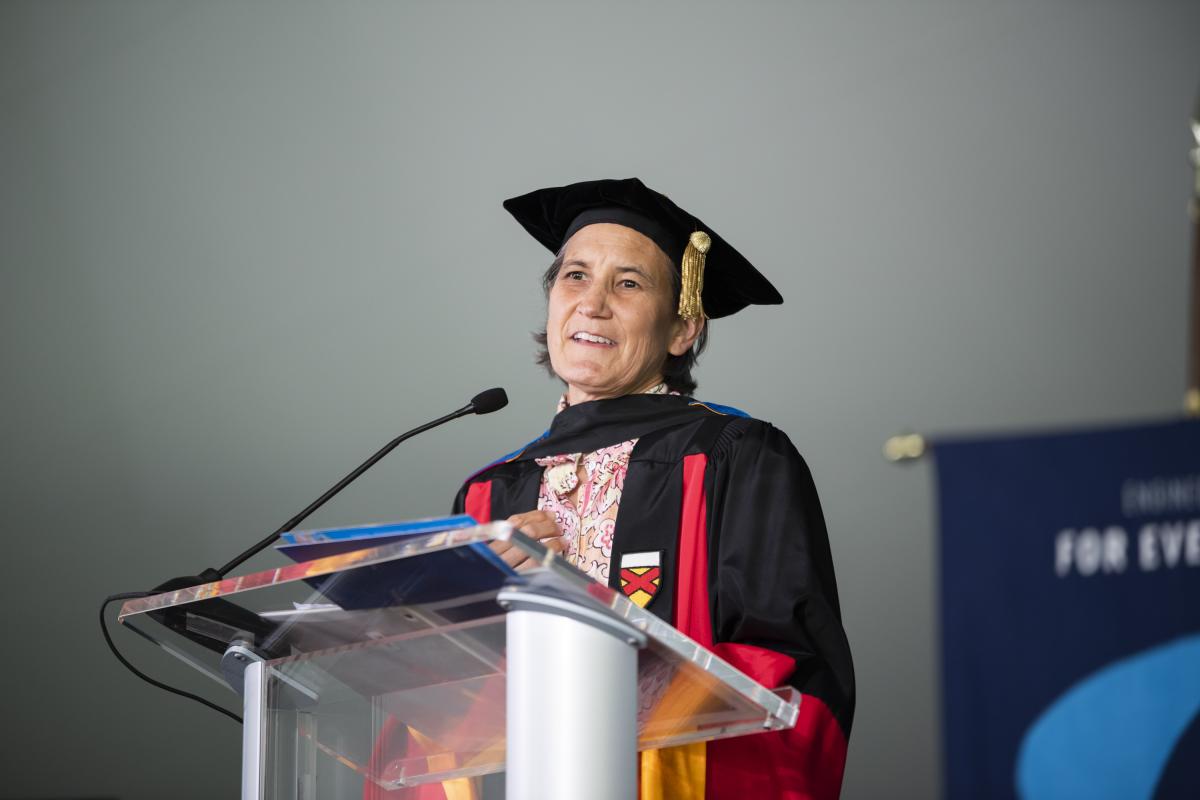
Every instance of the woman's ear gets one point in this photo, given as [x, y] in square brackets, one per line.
[685, 335]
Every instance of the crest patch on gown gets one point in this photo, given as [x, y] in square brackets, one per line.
[641, 576]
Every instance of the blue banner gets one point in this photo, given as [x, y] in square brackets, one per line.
[1070, 601]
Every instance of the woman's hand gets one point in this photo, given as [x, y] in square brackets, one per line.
[537, 525]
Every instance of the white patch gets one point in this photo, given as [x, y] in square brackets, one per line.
[650, 558]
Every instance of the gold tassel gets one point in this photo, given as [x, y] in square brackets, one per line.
[690, 304]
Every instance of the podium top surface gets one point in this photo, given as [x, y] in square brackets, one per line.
[414, 630]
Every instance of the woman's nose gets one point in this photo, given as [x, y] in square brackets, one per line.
[594, 302]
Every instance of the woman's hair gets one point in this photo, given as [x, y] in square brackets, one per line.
[677, 370]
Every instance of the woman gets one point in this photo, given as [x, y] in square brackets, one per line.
[697, 512]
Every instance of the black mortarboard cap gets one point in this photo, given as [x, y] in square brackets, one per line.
[730, 282]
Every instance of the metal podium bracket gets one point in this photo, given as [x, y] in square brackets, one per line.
[512, 599]
[239, 655]
[290, 693]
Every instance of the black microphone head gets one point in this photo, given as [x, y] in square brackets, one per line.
[488, 401]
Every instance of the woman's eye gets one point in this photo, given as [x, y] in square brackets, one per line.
[573, 275]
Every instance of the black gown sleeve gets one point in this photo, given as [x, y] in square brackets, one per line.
[770, 568]
[460, 499]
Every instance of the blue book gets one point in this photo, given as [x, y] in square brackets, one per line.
[322, 542]
[432, 577]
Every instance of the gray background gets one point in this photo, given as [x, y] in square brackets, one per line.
[243, 244]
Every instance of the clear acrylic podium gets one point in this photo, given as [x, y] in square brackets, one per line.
[429, 660]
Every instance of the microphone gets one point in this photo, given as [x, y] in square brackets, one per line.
[488, 401]
[483, 403]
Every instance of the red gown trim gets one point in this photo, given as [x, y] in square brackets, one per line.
[804, 763]
[479, 501]
[693, 616]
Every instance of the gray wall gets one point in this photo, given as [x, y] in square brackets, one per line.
[242, 244]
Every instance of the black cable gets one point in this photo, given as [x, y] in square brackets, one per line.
[142, 675]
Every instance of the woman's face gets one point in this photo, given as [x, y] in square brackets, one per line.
[611, 319]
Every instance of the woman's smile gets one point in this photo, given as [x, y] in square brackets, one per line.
[592, 340]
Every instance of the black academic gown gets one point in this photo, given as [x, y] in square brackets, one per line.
[729, 507]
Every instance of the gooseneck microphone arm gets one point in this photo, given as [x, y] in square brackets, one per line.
[483, 403]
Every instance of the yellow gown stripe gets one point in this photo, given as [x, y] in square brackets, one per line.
[674, 773]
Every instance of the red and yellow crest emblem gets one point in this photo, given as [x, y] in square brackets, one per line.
[641, 576]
